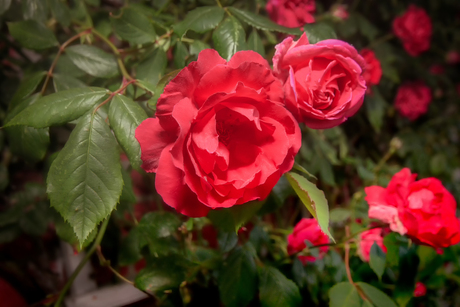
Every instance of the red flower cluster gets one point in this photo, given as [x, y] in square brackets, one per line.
[291, 13]
[412, 99]
[423, 210]
[309, 230]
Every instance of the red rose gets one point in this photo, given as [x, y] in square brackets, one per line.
[373, 70]
[420, 289]
[323, 82]
[307, 229]
[367, 239]
[424, 210]
[291, 13]
[414, 29]
[412, 99]
[221, 136]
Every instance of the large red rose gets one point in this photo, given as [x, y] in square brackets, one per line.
[424, 210]
[367, 239]
[373, 70]
[307, 229]
[323, 82]
[412, 99]
[221, 136]
[291, 13]
[414, 28]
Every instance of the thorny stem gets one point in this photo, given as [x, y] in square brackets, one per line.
[120, 90]
[106, 263]
[61, 50]
[75, 273]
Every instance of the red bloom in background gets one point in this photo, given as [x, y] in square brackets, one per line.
[424, 210]
[412, 99]
[291, 13]
[420, 289]
[340, 11]
[307, 229]
[373, 70]
[367, 239]
[323, 82]
[221, 136]
[414, 28]
[453, 57]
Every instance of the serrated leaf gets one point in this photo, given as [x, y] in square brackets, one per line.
[156, 230]
[238, 278]
[65, 82]
[343, 294]
[85, 181]
[127, 195]
[377, 297]
[65, 232]
[152, 103]
[319, 31]
[229, 37]
[261, 22]
[4, 6]
[375, 109]
[35, 9]
[377, 260]
[200, 20]
[125, 116]
[152, 68]
[313, 198]
[133, 27]
[93, 60]
[255, 43]
[59, 108]
[60, 11]
[231, 219]
[180, 55]
[32, 34]
[275, 290]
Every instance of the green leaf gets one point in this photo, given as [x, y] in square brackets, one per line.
[339, 215]
[26, 88]
[152, 68]
[152, 103]
[231, 219]
[61, 12]
[197, 46]
[180, 55]
[313, 198]
[375, 109]
[125, 116]
[367, 28]
[227, 240]
[275, 290]
[85, 181]
[35, 9]
[127, 195]
[229, 37]
[344, 294]
[200, 20]
[319, 31]
[377, 297]
[392, 244]
[4, 6]
[59, 108]
[65, 66]
[255, 43]
[129, 251]
[377, 260]
[93, 60]
[66, 233]
[32, 34]
[408, 268]
[35, 221]
[133, 27]
[261, 22]
[238, 278]
[65, 82]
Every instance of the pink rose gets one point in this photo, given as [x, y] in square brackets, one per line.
[423, 210]
[291, 13]
[340, 11]
[323, 82]
[367, 239]
[412, 99]
[221, 136]
[307, 229]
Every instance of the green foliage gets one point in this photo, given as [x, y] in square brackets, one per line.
[133, 27]
[344, 294]
[32, 34]
[229, 37]
[319, 31]
[275, 290]
[200, 20]
[93, 60]
[377, 297]
[377, 260]
[233, 218]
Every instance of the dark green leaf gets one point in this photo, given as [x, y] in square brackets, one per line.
[375, 109]
[4, 6]
[26, 88]
[366, 27]
[61, 12]
[152, 103]
[438, 164]
[129, 252]
[343, 294]
[65, 66]
[200, 20]
[28, 143]
[197, 46]
[134, 27]
[35, 10]
[313, 198]
[377, 260]
[339, 215]
[227, 240]
[65, 82]
[377, 297]
[255, 43]
[229, 37]
[275, 290]
[180, 55]
[93, 60]
[408, 267]
[127, 195]
[152, 68]
[85, 181]
[59, 108]
[32, 34]
[35, 221]
[4, 177]
[125, 116]
[231, 219]
[66, 233]
[391, 243]
[261, 22]
[319, 31]
[238, 278]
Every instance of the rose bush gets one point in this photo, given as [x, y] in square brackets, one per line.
[221, 136]
[423, 210]
[291, 13]
[367, 239]
[412, 99]
[323, 82]
[307, 229]
[414, 29]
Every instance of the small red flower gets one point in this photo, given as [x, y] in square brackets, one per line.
[420, 289]
[412, 99]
